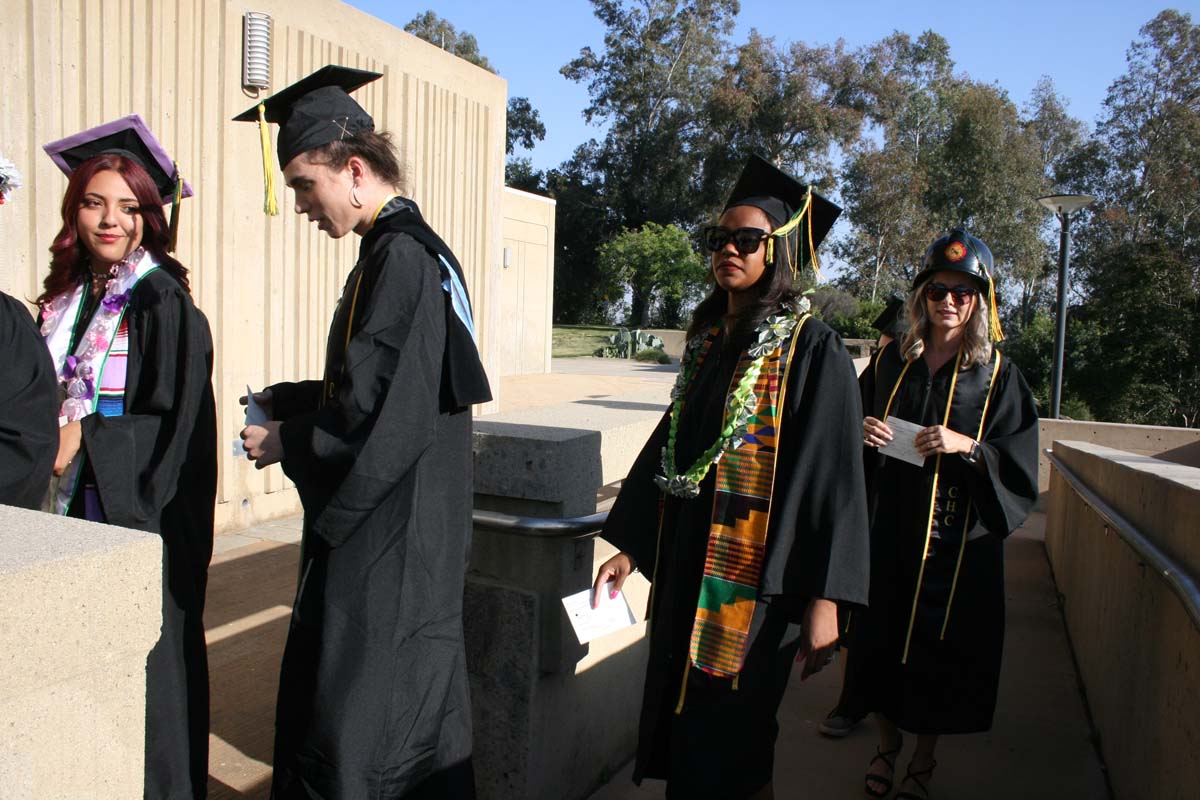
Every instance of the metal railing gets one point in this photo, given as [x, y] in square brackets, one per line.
[1180, 582]
[540, 527]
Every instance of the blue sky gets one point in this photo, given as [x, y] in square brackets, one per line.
[1080, 45]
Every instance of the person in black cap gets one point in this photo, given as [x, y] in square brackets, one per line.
[373, 698]
[137, 442]
[746, 507]
[28, 422]
[891, 323]
[927, 649]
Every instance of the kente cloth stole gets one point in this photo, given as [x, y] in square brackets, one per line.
[92, 376]
[966, 412]
[737, 538]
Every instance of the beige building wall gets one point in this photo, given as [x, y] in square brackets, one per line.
[526, 283]
[267, 284]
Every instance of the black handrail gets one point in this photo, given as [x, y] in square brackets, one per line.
[1181, 583]
[540, 527]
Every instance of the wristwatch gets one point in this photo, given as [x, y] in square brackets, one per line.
[975, 454]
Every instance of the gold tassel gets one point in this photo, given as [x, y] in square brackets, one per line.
[783, 230]
[993, 315]
[178, 196]
[812, 251]
[269, 205]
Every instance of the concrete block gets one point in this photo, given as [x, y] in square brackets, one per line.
[551, 461]
[81, 607]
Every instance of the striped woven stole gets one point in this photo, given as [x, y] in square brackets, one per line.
[737, 539]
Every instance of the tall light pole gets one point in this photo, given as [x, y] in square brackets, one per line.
[1062, 205]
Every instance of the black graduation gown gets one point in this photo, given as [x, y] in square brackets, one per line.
[948, 685]
[722, 743]
[28, 419]
[155, 468]
[373, 696]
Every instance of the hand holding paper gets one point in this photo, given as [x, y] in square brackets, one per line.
[610, 615]
[903, 445]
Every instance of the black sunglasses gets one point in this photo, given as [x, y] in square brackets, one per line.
[746, 240]
[937, 293]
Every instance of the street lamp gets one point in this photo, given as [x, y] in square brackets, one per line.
[1062, 205]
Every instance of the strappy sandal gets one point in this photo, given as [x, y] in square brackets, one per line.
[882, 783]
[915, 777]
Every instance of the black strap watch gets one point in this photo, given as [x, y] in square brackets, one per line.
[975, 454]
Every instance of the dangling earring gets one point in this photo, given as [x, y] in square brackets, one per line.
[354, 196]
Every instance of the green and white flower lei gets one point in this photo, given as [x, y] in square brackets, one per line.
[768, 337]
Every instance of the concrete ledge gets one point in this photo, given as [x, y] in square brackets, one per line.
[1137, 649]
[1179, 445]
[82, 607]
[551, 461]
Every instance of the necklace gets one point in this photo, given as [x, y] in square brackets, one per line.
[769, 336]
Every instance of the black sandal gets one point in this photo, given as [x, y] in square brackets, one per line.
[888, 757]
[915, 778]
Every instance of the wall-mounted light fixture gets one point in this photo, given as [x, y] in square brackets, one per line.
[256, 50]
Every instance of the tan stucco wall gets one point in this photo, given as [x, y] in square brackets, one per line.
[1137, 649]
[1178, 445]
[526, 283]
[267, 284]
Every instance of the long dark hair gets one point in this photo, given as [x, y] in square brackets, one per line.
[775, 288]
[69, 257]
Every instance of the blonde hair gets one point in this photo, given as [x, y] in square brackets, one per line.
[977, 344]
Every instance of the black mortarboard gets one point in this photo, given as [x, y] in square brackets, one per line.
[129, 137]
[891, 321]
[312, 112]
[787, 202]
[959, 251]
[315, 110]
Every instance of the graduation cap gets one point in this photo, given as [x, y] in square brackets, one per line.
[792, 206]
[889, 322]
[312, 112]
[128, 137]
[959, 251]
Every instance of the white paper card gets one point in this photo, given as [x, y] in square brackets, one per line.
[904, 441]
[612, 614]
[255, 415]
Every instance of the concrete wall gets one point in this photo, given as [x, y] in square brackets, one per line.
[1178, 445]
[267, 284]
[1137, 649]
[80, 609]
[526, 298]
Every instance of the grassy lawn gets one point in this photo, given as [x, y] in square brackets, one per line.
[572, 341]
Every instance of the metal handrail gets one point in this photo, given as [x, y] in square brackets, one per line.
[1181, 583]
[540, 527]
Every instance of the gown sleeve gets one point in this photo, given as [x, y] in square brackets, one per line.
[138, 457]
[293, 399]
[632, 524]
[1005, 493]
[28, 418]
[346, 456]
[819, 545]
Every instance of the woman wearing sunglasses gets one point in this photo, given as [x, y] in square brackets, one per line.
[746, 507]
[927, 649]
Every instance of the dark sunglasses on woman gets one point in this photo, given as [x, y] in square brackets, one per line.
[937, 293]
[746, 240]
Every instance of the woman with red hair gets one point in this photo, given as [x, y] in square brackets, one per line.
[137, 435]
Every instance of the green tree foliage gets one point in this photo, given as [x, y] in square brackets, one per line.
[1133, 341]
[437, 31]
[662, 269]
[648, 82]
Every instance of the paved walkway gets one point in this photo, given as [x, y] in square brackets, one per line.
[1039, 748]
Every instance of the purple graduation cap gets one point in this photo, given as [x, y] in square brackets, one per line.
[129, 137]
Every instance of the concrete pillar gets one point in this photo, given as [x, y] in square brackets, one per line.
[80, 609]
